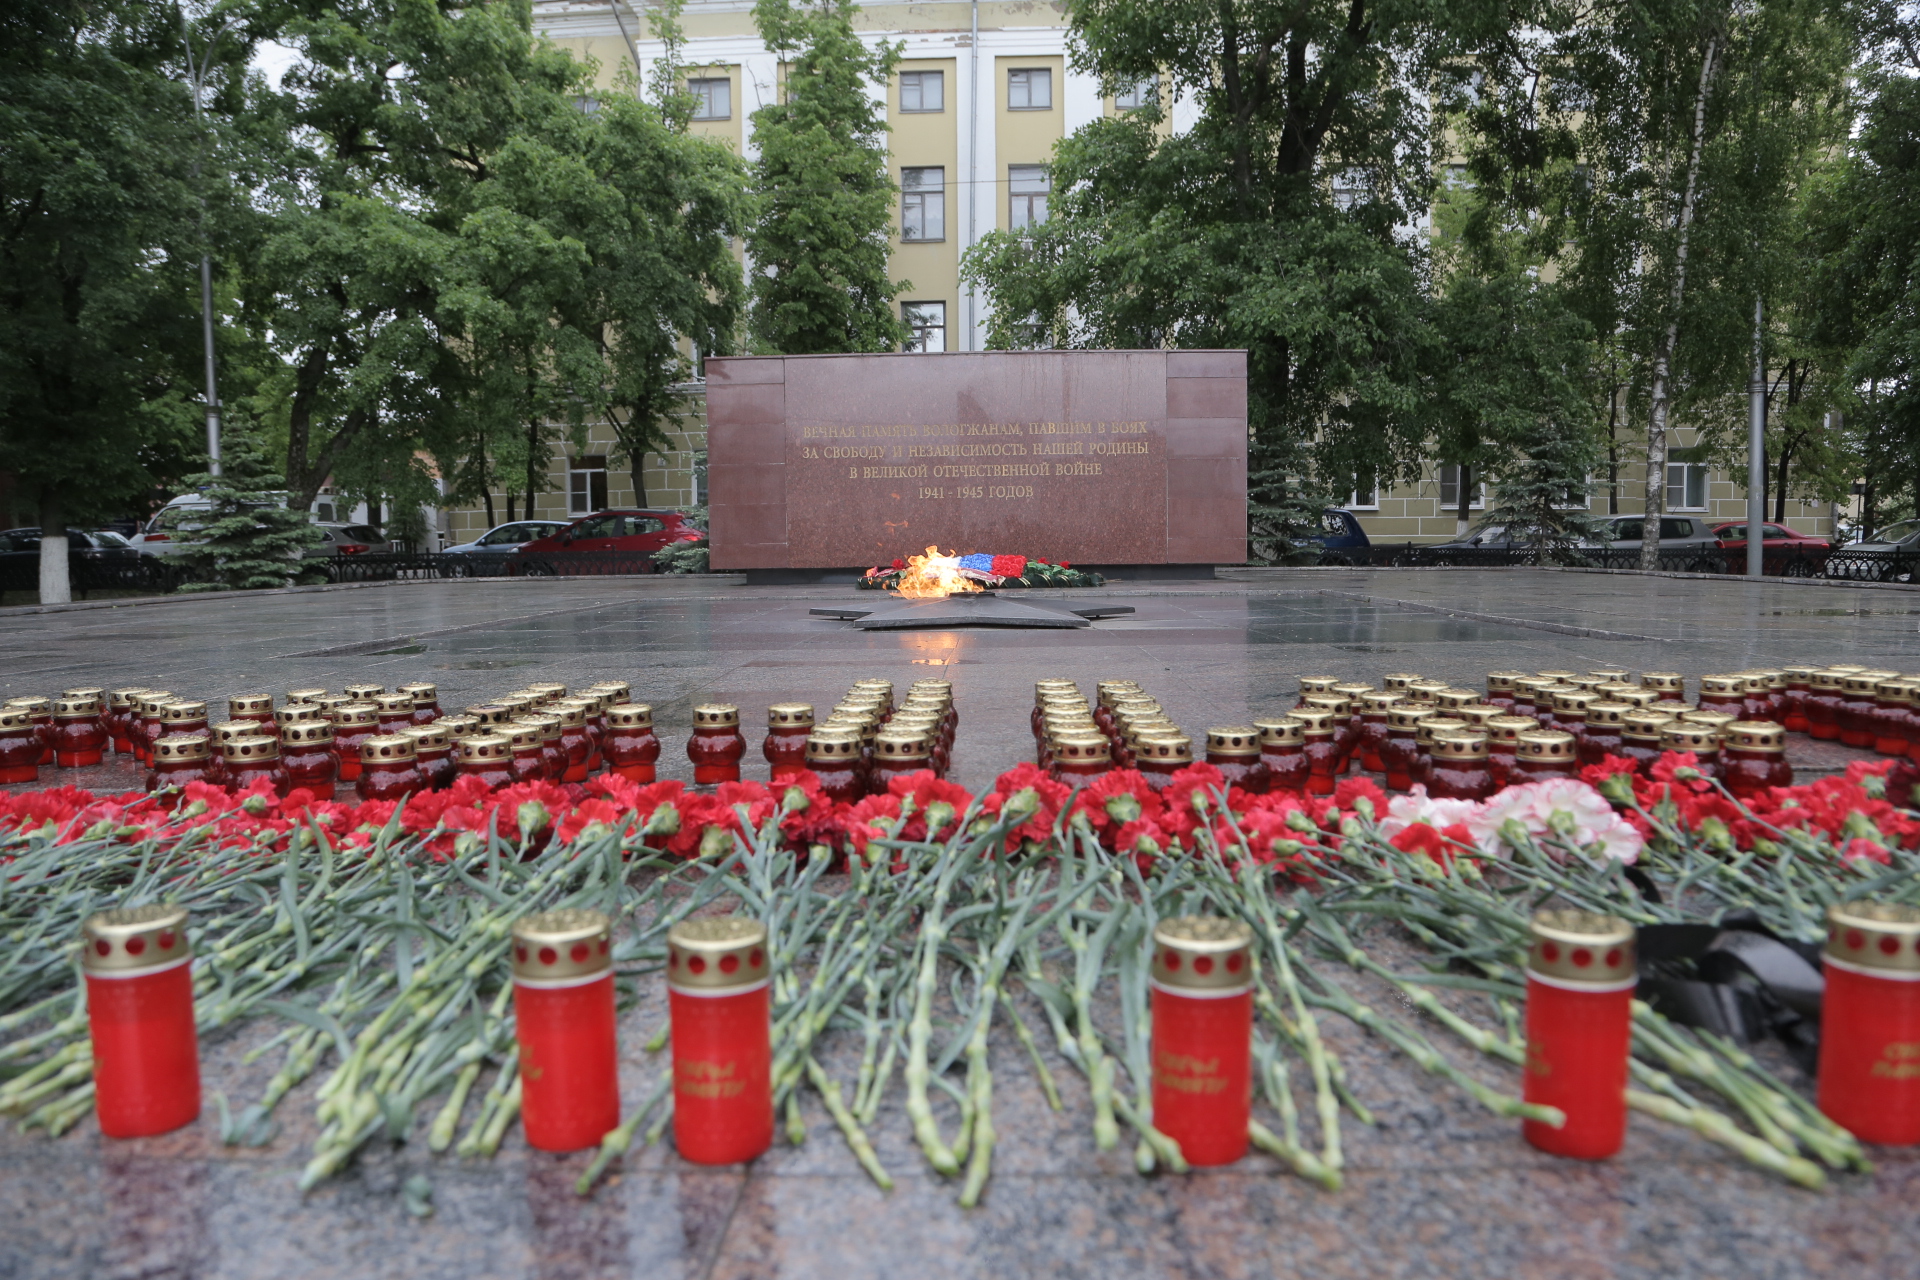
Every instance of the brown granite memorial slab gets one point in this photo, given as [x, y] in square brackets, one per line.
[1103, 457]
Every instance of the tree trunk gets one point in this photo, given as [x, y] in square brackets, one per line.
[1466, 500]
[510, 502]
[55, 588]
[1780, 483]
[638, 472]
[1613, 451]
[1670, 337]
[373, 512]
[1867, 514]
[533, 461]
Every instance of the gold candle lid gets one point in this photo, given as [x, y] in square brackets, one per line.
[1582, 949]
[1408, 715]
[1665, 681]
[639, 715]
[134, 940]
[1546, 744]
[522, 736]
[490, 712]
[35, 704]
[148, 701]
[296, 697]
[1339, 706]
[298, 713]
[185, 712]
[903, 744]
[494, 748]
[1203, 956]
[356, 713]
[1636, 697]
[1478, 713]
[1756, 735]
[1084, 748]
[424, 694]
[615, 692]
[181, 747]
[306, 733]
[245, 705]
[826, 743]
[1284, 731]
[1557, 676]
[331, 702]
[16, 718]
[392, 703]
[1379, 702]
[1433, 726]
[227, 730]
[1644, 725]
[1574, 703]
[1164, 748]
[570, 713]
[123, 699]
[1459, 746]
[1426, 691]
[363, 692]
[1319, 723]
[98, 697]
[428, 737]
[1397, 681]
[1723, 685]
[1614, 675]
[562, 948]
[1682, 735]
[1799, 673]
[548, 688]
[257, 746]
[789, 714]
[717, 955]
[1502, 681]
[1507, 729]
[1317, 684]
[387, 748]
[1880, 937]
[1608, 713]
[1717, 719]
[1449, 699]
[460, 726]
[715, 715]
[1354, 689]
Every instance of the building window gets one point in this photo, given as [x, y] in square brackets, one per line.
[1686, 486]
[1143, 93]
[923, 91]
[1450, 491]
[712, 98]
[928, 321]
[923, 204]
[586, 484]
[1578, 497]
[1366, 496]
[1030, 89]
[698, 479]
[1026, 195]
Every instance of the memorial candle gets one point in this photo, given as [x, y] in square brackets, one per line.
[717, 991]
[1202, 982]
[1869, 1078]
[146, 1056]
[563, 1011]
[1581, 973]
[717, 745]
[785, 747]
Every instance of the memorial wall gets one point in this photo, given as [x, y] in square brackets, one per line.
[1095, 457]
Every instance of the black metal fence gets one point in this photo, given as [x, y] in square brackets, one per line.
[553, 564]
[1790, 562]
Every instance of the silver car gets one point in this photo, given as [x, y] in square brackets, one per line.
[1686, 542]
[494, 546]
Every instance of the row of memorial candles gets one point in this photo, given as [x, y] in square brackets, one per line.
[1581, 972]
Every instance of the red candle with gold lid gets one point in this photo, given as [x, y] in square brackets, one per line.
[1399, 753]
[143, 721]
[426, 701]
[178, 761]
[590, 725]
[251, 757]
[1820, 705]
[553, 756]
[1234, 749]
[1078, 758]
[1892, 717]
[927, 724]
[1161, 754]
[1544, 753]
[1581, 973]
[716, 746]
[120, 710]
[524, 745]
[1202, 984]
[1460, 769]
[717, 990]
[575, 743]
[563, 1008]
[432, 755]
[388, 770]
[1340, 712]
[1432, 727]
[1798, 682]
[1601, 737]
[363, 690]
[307, 754]
[353, 724]
[486, 756]
[1372, 730]
[19, 746]
[1500, 687]
[1754, 757]
[257, 707]
[1869, 1079]
[146, 1055]
[78, 737]
[393, 711]
[834, 756]
[1703, 740]
[785, 747]
[1283, 750]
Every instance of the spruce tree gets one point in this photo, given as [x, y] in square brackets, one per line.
[819, 243]
[247, 539]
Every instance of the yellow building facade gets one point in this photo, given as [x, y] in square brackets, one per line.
[982, 94]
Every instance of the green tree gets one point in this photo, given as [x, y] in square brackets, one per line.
[246, 537]
[98, 261]
[819, 242]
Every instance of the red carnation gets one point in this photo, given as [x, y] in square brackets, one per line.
[1009, 566]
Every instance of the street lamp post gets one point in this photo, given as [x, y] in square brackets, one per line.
[1757, 452]
[197, 73]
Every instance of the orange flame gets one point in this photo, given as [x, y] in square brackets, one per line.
[933, 577]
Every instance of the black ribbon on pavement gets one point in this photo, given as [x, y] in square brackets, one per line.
[1736, 979]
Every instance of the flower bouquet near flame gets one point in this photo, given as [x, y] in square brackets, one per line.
[977, 569]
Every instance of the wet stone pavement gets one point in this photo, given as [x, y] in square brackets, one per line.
[1437, 1188]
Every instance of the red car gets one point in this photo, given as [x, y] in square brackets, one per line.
[1794, 555]
[606, 542]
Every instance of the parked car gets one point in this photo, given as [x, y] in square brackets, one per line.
[1341, 539]
[1685, 541]
[1889, 555]
[1796, 555]
[96, 560]
[492, 549]
[631, 538]
[350, 540]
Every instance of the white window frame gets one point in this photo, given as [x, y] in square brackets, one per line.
[1689, 472]
[1585, 504]
[1367, 499]
[919, 81]
[1479, 502]
[1144, 92]
[580, 484]
[1021, 206]
[701, 87]
[1026, 80]
[927, 204]
[928, 321]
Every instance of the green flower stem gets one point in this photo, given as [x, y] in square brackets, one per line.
[849, 1127]
[620, 1137]
[1715, 1127]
